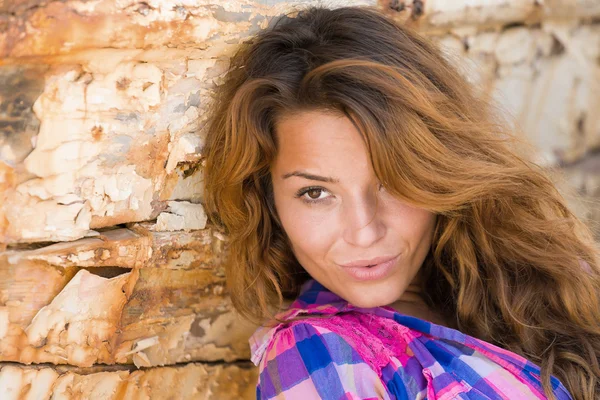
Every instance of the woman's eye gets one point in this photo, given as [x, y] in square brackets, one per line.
[312, 195]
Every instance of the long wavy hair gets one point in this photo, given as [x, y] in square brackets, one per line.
[509, 260]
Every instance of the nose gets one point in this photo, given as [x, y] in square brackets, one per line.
[362, 220]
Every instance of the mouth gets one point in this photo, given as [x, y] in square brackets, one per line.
[368, 263]
[371, 271]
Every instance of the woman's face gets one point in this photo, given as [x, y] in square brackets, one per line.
[335, 212]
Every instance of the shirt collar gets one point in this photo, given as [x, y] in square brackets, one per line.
[313, 299]
[314, 294]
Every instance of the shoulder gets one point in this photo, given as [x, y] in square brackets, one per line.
[304, 358]
[311, 340]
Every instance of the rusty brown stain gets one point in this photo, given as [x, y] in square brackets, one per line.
[196, 329]
[174, 254]
[97, 133]
[98, 252]
[157, 302]
[418, 9]
[123, 83]
[161, 292]
[409, 14]
[20, 86]
[18, 6]
[206, 255]
[169, 185]
[188, 168]
[56, 24]
[8, 180]
[150, 157]
[183, 168]
[396, 5]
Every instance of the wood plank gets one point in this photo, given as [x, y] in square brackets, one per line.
[138, 246]
[76, 327]
[175, 309]
[189, 381]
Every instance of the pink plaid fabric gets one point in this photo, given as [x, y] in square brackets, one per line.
[377, 353]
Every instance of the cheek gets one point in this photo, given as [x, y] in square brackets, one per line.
[424, 223]
[309, 232]
[412, 223]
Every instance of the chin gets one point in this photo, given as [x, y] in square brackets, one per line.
[371, 298]
[365, 303]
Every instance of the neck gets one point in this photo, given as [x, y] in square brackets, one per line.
[412, 303]
[412, 294]
[411, 299]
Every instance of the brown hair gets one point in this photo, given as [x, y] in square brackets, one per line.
[509, 260]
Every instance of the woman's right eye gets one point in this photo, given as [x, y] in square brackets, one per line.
[312, 194]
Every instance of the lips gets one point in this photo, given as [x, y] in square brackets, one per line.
[366, 263]
[360, 271]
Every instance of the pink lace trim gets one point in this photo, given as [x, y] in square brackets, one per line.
[374, 338]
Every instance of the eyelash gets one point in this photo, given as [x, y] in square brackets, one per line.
[300, 193]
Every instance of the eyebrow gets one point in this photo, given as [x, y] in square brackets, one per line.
[311, 177]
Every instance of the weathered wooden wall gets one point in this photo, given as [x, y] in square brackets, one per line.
[107, 264]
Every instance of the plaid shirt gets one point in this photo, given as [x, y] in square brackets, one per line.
[377, 353]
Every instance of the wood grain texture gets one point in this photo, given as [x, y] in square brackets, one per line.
[191, 381]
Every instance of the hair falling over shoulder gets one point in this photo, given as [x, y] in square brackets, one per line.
[509, 259]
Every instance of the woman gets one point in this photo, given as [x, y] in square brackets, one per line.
[357, 174]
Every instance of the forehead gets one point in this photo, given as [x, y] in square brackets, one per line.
[320, 143]
[316, 130]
